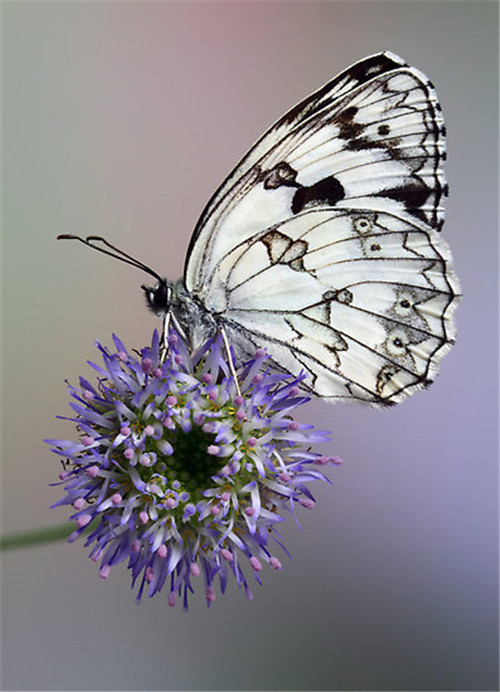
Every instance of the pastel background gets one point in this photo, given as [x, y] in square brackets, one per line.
[121, 119]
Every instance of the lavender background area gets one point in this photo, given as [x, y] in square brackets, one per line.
[121, 119]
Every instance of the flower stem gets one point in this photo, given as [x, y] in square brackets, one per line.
[28, 538]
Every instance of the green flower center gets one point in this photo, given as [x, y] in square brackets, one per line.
[190, 463]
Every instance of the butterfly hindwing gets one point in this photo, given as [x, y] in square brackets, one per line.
[360, 300]
[322, 244]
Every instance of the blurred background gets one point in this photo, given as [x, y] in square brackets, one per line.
[121, 119]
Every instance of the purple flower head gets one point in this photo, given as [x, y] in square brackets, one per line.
[181, 473]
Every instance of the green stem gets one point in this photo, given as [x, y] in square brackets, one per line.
[29, 538]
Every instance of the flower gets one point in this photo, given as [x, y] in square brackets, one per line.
[183, 472]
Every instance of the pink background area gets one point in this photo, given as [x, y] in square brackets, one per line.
[121, 119]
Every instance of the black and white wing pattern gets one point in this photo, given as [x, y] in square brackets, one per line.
[323, 244]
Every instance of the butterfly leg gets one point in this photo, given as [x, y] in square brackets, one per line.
[164, 336]
[230, 361]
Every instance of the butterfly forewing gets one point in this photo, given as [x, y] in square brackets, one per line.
[322, 244]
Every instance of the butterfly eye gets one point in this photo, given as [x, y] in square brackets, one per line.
[158, 297]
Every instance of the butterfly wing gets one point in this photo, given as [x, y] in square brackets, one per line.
[327, 229]
[360, 300]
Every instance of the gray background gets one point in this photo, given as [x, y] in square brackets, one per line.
[122, 119]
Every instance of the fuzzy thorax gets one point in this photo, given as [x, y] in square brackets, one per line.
[190, 317]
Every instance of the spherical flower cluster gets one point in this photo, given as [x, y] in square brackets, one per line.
[182, 471]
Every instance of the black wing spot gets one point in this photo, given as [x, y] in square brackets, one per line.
[390, 145]
[413, 196]
[344, 120]
[326, 191]
[383, 129]
[281, 174]
[370, 68]
[283, 250]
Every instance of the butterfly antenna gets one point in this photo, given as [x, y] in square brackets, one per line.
[92, 241]
[96, 242]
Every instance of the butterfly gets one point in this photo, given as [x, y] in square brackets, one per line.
[323, 244]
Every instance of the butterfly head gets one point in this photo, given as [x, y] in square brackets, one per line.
[158, 297]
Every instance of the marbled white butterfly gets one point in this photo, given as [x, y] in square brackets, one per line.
[323, 243]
